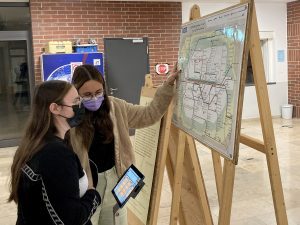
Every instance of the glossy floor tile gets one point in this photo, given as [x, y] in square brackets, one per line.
[252, 199]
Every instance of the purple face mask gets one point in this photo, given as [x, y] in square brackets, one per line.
[93, 104]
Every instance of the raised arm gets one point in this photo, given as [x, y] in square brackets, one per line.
[142, 116]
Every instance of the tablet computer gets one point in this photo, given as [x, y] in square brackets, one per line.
[128, 185]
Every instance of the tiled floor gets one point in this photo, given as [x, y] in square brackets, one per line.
[252, 199]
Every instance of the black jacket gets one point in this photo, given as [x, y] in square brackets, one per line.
[49, 189]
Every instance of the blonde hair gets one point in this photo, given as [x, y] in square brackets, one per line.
[39, 125]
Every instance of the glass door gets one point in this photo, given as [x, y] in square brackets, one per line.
[16, 70]
[14, 90]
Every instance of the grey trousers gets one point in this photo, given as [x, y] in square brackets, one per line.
[104, 213]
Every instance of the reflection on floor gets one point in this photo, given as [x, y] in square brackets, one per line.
[252, 199]
[14, 112]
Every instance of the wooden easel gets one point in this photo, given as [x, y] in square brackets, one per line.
[189, 202]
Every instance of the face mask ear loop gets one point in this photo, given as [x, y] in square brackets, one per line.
[80, 103]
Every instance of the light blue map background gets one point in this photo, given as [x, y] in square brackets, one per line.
[210, 58]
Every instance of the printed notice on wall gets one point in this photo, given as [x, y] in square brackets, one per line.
[145, 148]
[280, 56]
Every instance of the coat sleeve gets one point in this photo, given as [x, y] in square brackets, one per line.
[142, 116]
[60, 185]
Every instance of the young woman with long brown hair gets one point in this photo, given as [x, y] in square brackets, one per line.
[104, 133]
[47, 180]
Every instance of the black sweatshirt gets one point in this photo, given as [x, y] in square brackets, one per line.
[49, 189]
[102, 154]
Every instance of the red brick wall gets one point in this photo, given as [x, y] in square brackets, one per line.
[293, 31]
[58, 20]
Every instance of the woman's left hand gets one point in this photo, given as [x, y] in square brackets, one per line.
[173, 76]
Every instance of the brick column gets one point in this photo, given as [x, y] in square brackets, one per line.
[293, 32]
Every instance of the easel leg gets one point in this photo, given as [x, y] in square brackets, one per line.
[227, 192]
[267, 124]
[170, 171]
[200, 185]
[194, 206]
[218, 173]
[163, 145]
[178, 178]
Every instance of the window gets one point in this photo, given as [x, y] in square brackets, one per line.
[14, 16]
[266, 44]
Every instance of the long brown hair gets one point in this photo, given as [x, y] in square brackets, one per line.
[100, 119]
[39, 125]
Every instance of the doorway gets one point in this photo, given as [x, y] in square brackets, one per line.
[16, 85]
[126, 64]
[16, 71]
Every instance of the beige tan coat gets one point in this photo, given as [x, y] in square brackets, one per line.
[125, 115]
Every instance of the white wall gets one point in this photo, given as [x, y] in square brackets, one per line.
[271, 17]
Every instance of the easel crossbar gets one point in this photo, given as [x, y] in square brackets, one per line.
[253, 143]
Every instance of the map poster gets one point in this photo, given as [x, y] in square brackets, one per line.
[210, 58]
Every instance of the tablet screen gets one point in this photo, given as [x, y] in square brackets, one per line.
[126, 185]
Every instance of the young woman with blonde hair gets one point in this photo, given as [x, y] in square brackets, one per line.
[47, 180]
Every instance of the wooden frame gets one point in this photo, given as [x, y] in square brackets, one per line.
[177, 151]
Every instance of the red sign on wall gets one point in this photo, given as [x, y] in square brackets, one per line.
[161, 69]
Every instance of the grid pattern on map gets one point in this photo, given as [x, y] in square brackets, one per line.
[210, 57]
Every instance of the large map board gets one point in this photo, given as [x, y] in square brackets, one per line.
[210, 57]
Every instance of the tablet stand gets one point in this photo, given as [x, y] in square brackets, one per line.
[133, 194]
